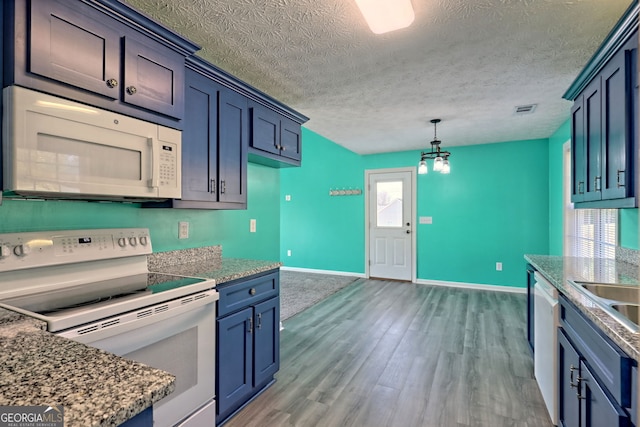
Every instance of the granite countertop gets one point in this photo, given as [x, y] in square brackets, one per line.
[207, 263]
[96, 388]
[558, 270]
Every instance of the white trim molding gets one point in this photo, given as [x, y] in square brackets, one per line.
[331, 272]
[477, 286]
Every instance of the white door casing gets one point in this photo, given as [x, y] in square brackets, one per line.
[390, 231]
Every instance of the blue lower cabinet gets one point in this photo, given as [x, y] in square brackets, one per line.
[595, 376]
[235, 359]
[597, 408]
[248, 334]
[143, 419]
[569, 372]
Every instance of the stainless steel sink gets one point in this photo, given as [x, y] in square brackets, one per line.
[622, 302]
[630, 311]
[628, 293]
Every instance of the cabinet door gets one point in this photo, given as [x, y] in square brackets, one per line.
[568, 372]
[235, 356]
[616, 132]
[290, 139]
[593, 140]
[265, 130]
[69, 44]
[578, 151]
[597, 408]
[199, 139]
[267, 340]
[153, 78]
[233, 128]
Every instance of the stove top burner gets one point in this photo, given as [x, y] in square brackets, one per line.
[99, 293]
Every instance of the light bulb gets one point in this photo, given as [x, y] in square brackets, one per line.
[445, 166]
[437, 164]
[422, 167]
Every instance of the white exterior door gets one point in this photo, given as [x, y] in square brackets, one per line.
[390, 225]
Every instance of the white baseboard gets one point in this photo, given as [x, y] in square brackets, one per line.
[477, 286]
[331, 272]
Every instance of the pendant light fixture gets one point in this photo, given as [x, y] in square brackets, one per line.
[386, 15]
[440, 158]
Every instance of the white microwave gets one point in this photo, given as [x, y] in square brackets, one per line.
[56, 148]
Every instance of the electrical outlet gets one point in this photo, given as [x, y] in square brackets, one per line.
[498, 266]
[252, 225]
[183, 230]
[287, 198]
[288, 252]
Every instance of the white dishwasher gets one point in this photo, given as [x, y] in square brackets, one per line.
[545, 353]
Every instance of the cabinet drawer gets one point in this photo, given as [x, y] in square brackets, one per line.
[242, 293]
[605, 359]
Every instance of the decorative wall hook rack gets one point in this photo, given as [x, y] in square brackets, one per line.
[344, 192]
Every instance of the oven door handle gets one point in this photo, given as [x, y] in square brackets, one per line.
[135, 319]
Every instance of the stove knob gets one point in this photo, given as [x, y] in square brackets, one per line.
[133, 241]
[143, 240]
[22, 250]
[122, 242]
[5, 251]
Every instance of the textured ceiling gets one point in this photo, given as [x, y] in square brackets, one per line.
[468, 62]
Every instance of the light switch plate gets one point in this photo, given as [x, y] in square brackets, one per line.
[252, 225]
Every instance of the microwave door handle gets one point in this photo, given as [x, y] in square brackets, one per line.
[155, 160]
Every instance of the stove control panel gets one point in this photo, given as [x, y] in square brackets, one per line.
[45, 248]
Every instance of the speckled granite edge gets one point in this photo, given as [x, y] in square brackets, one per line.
[223, 271]
[96, 388]
[627, 255]
[206, 254]
[207, 263]
[558, 270]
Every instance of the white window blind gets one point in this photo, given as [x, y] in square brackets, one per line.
[594, 234]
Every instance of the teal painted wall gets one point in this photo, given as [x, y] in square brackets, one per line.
[228, 228]
[322, 231]
[629, 228]
[556, 181]
[481, 214]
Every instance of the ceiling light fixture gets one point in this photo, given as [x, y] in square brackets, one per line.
[440, 158]
[386, 15]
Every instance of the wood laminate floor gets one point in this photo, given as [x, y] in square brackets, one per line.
[381, 353]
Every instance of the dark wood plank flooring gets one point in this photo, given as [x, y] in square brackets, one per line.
[382, 353]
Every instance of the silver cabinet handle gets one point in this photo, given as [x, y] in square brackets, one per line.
[112, 83]
[213, 186]
[618, 178]
[259, 322]
[131, 90]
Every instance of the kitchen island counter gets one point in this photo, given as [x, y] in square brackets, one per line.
[559, 270]
[95, 388]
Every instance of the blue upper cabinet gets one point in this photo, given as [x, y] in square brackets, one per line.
[275, 139]
[99, 52]
[604, 121]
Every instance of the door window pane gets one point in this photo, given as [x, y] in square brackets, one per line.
[389, 204]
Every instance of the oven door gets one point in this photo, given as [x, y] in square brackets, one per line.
[180, 341]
